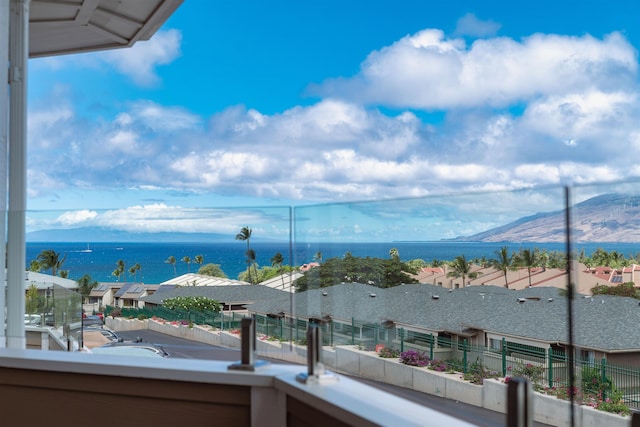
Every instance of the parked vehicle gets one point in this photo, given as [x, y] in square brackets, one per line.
[132, 348]
[105, 332]
[92, 321]
[32, 319]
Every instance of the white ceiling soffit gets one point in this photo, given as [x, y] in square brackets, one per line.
[58, 27]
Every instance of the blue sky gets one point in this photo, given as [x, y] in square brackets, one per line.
[259, 103]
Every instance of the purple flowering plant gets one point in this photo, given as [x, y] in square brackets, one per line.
[414, 358]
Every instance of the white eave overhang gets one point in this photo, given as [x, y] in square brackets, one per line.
[58, 27]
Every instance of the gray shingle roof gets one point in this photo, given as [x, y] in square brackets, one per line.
[606, 323]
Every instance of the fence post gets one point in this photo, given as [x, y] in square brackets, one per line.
[550, 375]
[603, 375]
[401, 332]
[331, 329]
[431, 343]
[504, 357]
[464, 354]
[281, 331]
[353, 331]
[375, 335]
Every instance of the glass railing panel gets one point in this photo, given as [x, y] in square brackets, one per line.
[463, 281]
[155, 262]
[606, 243]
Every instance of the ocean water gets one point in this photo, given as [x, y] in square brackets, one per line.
[99, 260]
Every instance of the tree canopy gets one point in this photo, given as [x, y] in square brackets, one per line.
[383, 273]
[211, 269]
[50, 259]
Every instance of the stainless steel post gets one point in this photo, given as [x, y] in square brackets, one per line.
[248, 361]
[519, 409]
[315, 368]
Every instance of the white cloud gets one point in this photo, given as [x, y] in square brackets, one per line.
[543, 110]
[75, 218]
[470, 25]
[430, 71]
[140, 61]
[159, 118]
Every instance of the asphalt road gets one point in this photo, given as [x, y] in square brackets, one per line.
[185, 349]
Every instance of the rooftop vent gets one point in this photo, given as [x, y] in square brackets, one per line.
[550, 299]
[324, 294]
[435, 296]
[521, 300]
[372, 295]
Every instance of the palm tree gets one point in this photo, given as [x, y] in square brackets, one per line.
[198, 259]
[137, 267]
[528, 258]
[116, 273]
[245, 236]
[85, 285]
[50, 259]
[35, 266]
[318, 257]
[251, 260]
[460, 267]
[132, 272]
[172, 260]
[276, 262]
[394, 254]
[187, 260]
[503, 262]
[120, 264]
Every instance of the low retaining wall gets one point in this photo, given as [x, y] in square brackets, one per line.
[349, 360]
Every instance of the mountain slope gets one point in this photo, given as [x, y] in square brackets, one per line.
[604, 218]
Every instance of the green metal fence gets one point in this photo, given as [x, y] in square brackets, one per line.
[545, 368]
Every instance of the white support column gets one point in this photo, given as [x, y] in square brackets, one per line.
[4, 140]
[16, 247]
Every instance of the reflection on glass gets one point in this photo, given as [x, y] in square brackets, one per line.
[468, 283]
[606, 307]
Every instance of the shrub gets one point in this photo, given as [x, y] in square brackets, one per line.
[142, 316]
[614, 404]
[442, 366]
[117, 312]
[389, 353]
[414, 358]
[533, 373]
[367, 347]
[477, 373]
[592, 382]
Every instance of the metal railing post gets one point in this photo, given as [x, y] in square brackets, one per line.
[315, 368]
[248, 360]
[464, 355]
[431, 345]
[603, 378]
[519, 408]
[550, 367]
[504, 357]
[353, 331]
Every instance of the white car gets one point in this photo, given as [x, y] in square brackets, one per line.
[32, 319]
